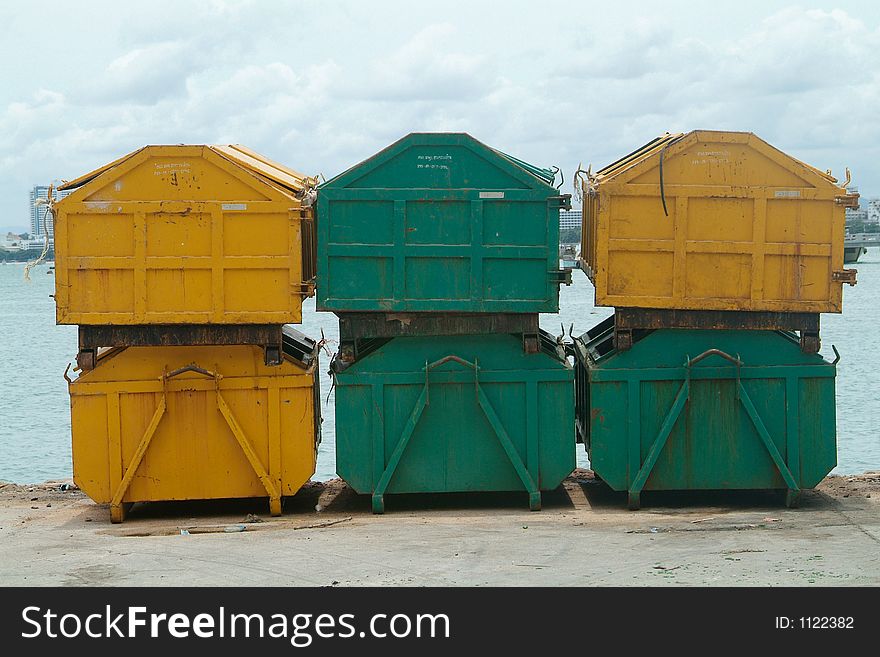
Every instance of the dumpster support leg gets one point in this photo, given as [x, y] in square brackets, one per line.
[657, 446]
[793, 489]
[117, 509]
[397, 454]
[244, 443]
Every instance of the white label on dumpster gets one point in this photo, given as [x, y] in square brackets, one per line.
[234, 206]
[787, 193]
[491, 194]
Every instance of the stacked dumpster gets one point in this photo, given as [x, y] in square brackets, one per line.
[181, 266]
[718, 253]
[437, 254]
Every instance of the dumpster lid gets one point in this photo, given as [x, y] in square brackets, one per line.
[666, 140]
[274, 171]
[530, 175]
[547, 175]
[236, 153]
[89, 177]
[641, 152]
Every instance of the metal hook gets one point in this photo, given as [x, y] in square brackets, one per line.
[580, 176]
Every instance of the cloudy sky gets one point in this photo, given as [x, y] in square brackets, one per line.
[322, 85]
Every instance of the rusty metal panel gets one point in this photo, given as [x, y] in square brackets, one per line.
[174, 335]
[273, 338]
[391, 325]
[656, 318]
[713, 220]
[183, 235]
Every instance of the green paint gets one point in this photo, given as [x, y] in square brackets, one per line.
[439, 222]
[650, 422]
[498, 419]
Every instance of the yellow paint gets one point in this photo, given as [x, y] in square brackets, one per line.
[748, 228]
[182, 235]
[242, 429]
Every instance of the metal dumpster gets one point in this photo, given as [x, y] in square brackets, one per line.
[713, 220]
[701, 409]
[440, 222]
[185, 235]
[454, 414]
[204, 422]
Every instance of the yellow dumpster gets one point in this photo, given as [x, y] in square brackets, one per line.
[713, 220]
[204, 422]
[185, 235]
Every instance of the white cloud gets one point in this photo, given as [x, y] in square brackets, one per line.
[430, 66]
[143, 75]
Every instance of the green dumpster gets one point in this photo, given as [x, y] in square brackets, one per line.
[439, 222]
[703, 409]
[454, 414]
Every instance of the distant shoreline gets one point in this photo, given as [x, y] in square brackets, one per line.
[24, 256]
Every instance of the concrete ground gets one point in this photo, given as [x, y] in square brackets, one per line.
[583, 537]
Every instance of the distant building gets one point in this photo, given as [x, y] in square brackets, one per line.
[12, 241]
[569, 219]
[858, 216]
[873, 208]
[39, 220]
[16, 242]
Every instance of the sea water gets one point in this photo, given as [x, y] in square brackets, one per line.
[35, 410]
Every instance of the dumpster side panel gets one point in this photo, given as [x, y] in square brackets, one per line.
[500, 260]
[192, 425]
[178, 235]
[555, 417]
[611, 423]
[453, 447]
[91, 455]
[358, 433]
[714, 445]
[453, 443]
[438, 223]
[167, 470]
[818, 427]
[716, 434]
[299, 442]
[734, 224]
